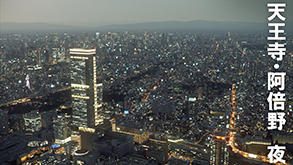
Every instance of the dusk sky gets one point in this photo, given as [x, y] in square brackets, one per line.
[111, 12]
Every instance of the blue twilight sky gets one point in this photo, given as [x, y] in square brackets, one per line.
[74, 12]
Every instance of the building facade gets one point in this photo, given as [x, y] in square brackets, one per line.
[32, 121]
[86, 93]
[60, 130]
[191, 107]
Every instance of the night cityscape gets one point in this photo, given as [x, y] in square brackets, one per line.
[153, 91]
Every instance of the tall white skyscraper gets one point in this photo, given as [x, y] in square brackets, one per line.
[86, 93]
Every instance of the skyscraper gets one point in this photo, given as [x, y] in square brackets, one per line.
[86, 93]
[1, 68]
[191, 107]
[60, 130]
[28, 82]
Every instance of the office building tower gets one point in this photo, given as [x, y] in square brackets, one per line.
[46, 56]
[39, 57]
[28, 82]
[1, 68]
[255, 70]
[191, 107]
[33, 121]
[125, 103]
[97, 35]
[60, 128]
[54, 55]
[86, 140]
[3, 122]
[86, 93]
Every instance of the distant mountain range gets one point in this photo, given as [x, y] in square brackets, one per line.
[167, 26]
[36, 27]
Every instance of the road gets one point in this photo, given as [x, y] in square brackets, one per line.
[232, 134]
[29, 98]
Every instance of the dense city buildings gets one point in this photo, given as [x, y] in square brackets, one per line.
[146, 82]
[139, 98]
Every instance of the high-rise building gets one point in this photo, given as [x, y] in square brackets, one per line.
[1, 68]
[191, 107]
[39, 57]
[86, 140]
[229, 36]
[60, 130]
[86, 93]
[47, 56]
[33, 121]
[97, 35]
